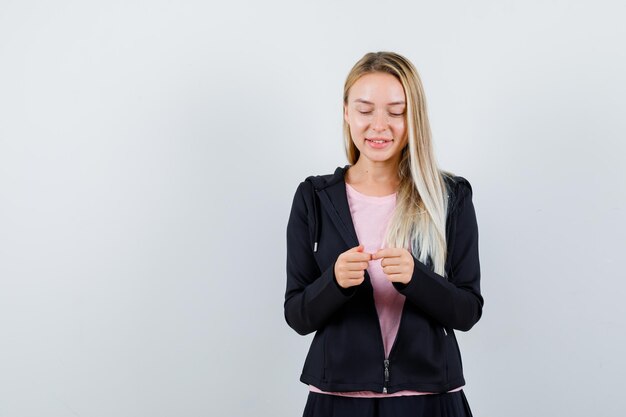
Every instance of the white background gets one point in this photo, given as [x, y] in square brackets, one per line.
[149, 153]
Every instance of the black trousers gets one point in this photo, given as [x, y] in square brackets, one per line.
[453, 404]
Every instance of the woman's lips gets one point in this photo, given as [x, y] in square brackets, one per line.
[378, 145]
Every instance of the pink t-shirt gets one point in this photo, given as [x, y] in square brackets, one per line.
[371, 216]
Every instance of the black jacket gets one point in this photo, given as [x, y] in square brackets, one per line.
[347, 352]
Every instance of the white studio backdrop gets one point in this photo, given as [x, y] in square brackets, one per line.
[149, 153]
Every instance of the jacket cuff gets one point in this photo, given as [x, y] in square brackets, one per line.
[347, 292]
[427, 289]
[326, 289]
[424, 282]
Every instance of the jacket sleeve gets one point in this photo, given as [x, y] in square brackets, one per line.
[456, 302]
[312, 295]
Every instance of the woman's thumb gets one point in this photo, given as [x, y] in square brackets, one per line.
[358, 248]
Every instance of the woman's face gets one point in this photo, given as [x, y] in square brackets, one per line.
[376, 112]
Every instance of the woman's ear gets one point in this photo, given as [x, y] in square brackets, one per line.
[345, 114]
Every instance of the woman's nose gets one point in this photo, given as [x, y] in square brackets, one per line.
[380, 121]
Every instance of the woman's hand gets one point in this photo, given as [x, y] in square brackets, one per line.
[397, 264]
[350, 267]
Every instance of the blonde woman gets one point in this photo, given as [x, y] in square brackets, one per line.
[382, 259]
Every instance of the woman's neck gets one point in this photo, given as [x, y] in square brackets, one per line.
[374, 179]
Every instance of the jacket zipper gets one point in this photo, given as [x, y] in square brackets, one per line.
[386, 364]
[393, 346]
[382, 343]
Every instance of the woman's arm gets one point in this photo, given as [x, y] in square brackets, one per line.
[312, 295]
[455, 303]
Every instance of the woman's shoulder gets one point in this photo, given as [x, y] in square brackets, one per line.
[459, 188]
[321, 181]
[456, 181]
[307, 188]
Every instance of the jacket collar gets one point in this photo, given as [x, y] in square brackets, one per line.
[331, 192]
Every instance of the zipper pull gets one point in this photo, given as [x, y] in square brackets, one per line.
[386, 363]
[444, 331]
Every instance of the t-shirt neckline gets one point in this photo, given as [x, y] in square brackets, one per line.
[371, 197]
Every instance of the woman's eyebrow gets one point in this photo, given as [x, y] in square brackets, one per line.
[360, 100]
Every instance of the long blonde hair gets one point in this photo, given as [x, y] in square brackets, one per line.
[419, 220]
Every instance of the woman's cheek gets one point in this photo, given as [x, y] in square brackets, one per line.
[399, 128]
[358, 126]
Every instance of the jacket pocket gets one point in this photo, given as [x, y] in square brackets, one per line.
[454, 369]
[324, 358]
[351, 352]
[314, 365]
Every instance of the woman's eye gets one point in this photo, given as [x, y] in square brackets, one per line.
[391, 114]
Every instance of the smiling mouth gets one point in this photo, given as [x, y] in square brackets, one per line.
[380, 140]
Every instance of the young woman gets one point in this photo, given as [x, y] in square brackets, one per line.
[382, 260]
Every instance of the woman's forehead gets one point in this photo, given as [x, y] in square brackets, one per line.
[377, 88]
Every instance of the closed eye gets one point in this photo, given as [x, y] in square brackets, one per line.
[391, 114]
